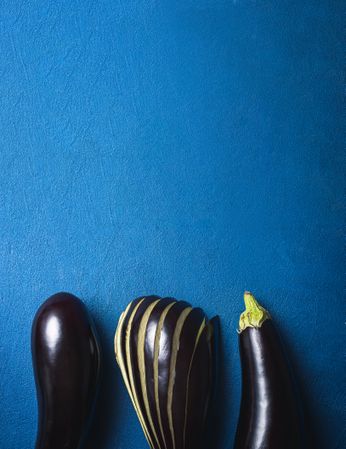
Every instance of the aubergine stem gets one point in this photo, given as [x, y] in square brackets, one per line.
[270, 413]
[254, 314]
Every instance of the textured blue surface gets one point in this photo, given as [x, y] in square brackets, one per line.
[191, 149]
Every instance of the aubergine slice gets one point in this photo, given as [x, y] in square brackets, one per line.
[270, 411]
[66, 360]
[163, 348]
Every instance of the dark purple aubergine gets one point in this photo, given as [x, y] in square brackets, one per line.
[270, 412]
[164, 351]
[66, 360]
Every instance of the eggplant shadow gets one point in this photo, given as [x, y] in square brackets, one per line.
[218, 416]
[107, 410]
[313, 423]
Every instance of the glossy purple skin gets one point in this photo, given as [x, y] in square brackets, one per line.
[200, 376]
[66, 361]
[270, 413]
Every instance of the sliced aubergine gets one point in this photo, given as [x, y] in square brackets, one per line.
[163, 348]
[66, 360]
[270, 412]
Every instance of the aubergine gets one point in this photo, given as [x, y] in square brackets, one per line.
[163, 348]
[270, 412]
[66, 361]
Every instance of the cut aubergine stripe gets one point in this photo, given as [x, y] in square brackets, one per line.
[164, 365]
[135, 395]
[120, 351]
[135, 361]
[190, 334]
[160, 310]
[163, 349]
[199, 387]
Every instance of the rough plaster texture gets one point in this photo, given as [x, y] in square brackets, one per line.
[191, 149]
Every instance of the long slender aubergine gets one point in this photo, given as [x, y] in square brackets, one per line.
[66, 360]
[163, 348]
[270, 412]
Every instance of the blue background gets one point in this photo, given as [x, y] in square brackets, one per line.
[190, 148]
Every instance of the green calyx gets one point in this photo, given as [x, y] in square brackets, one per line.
[254, 314]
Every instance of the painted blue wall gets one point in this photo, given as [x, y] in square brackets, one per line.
[192, 149]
